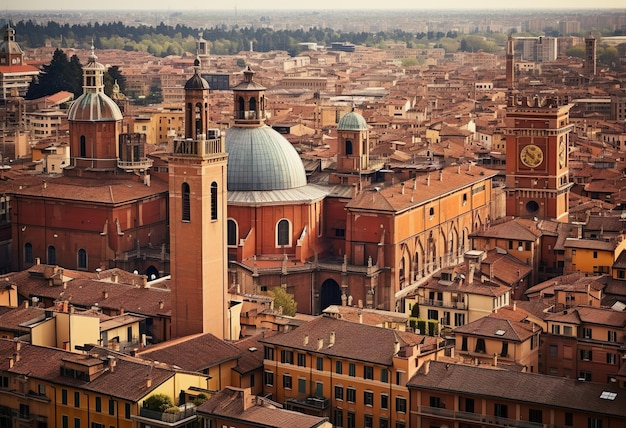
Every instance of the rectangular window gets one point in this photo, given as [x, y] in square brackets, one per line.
[65, 421]
[301, 386]
[352, 420]
[352, 369]
[480, 346]
[338, 418]
[501, 410]
[338, 367]
[586, 376]
[585, 354]
[286, 357]
[384, 401]
[268, 353]
[338, 392]
[98, 404]
[435, 401]
[383, 423]
[319, 365]
[368, 420]
[384, 375]
[595, 254]
[464, 343]
[319, 389]
[368, 398]
[127, 410]
[612, 336]
[301, 360]
[556, 329]
[111, 407]
[469, 405]
[400, 424]
[287, 381]
[77, 399]
[569, 419]
[268, 378]
[535, 415]
[611, 358]
[594, 423]
[554, 351]
[567, 330]
[459, 319]
[76, 422]
[351, 395]
[64, 397]
[400, 404]
[586, 333]
[368, 372]
[433, 314]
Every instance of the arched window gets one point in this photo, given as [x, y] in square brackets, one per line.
[28, 253]
[214, 201]
[82, 259]
[253, 106]
[232, 232]
[242, 108]
[348, 147]
[283, 233]
[52, 255]
[186, 209]
[198, 119]
[83, 147]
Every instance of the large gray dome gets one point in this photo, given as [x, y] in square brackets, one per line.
[352, 122]
[261, 159]
[95, 107]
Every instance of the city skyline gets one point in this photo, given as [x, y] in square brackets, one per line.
[323, 5]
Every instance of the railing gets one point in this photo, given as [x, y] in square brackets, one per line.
[315, 402]
[141, 164]
[186, 412]
[94, 163]
[199, 147]
[483, 419]
[442, 303]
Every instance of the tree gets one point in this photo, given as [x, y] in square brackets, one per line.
[60, 75]
[241, 62]
[284, 300]
[112, 75]
[158, 402]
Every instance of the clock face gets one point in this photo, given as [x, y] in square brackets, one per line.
[531, 156]
[562, 154]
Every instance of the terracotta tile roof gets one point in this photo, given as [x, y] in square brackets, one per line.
[251, 351]
[549, 286]
[349, 340]
[229, 403]
[517, 229]
[520, 387]
[11, 319]
[86, 189]
[504, 267]
[128, 380]
[194, 353]
[391, 198]
[498, 328]
[81, 289]
[590, 244]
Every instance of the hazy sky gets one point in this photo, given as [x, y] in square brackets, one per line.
[69, 5]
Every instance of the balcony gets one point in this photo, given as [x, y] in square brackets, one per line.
[316, 406]
[139, 165]
[485, 420]
[185, 417]
[450, 304]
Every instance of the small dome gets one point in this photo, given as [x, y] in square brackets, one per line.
[352, 122]
[260, 158]
[92, 107]
[197, 82]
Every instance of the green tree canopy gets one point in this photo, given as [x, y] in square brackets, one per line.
[284, 300]
[60, 75]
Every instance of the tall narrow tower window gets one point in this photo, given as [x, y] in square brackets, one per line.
[198, 119]
[28, 253]
[253, 106]
[348, 147]
[232, 232]
[283, 232]
[186, 211]
[242, 108]
[82, 259]
[83, 146]
[214, 201]
[52, 255]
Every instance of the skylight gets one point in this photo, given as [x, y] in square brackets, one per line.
[607, 395]
[500, 333]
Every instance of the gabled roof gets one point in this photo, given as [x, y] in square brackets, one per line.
[498, 328]
[349, 338]
[130, 379]
[507, 385]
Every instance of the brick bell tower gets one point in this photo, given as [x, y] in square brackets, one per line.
[198, 197]
[537, 166]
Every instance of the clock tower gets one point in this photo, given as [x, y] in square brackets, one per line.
[537, 172]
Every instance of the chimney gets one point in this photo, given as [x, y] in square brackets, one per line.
[428, 179]
[331, 341]
[161, 304]
[105, 294]
[148, 383]
[495, 359]
[115, 277]
[441, 175]
[402, 188]
[306, 339]
[360, 314]
[514, 305]
[396, 347]
[426, 366]
[355, 190]
[37, 261]
[415, 183]
[25, 304]
[320, 343]
[11, 362]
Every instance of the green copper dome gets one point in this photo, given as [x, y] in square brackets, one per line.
[352, 122]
